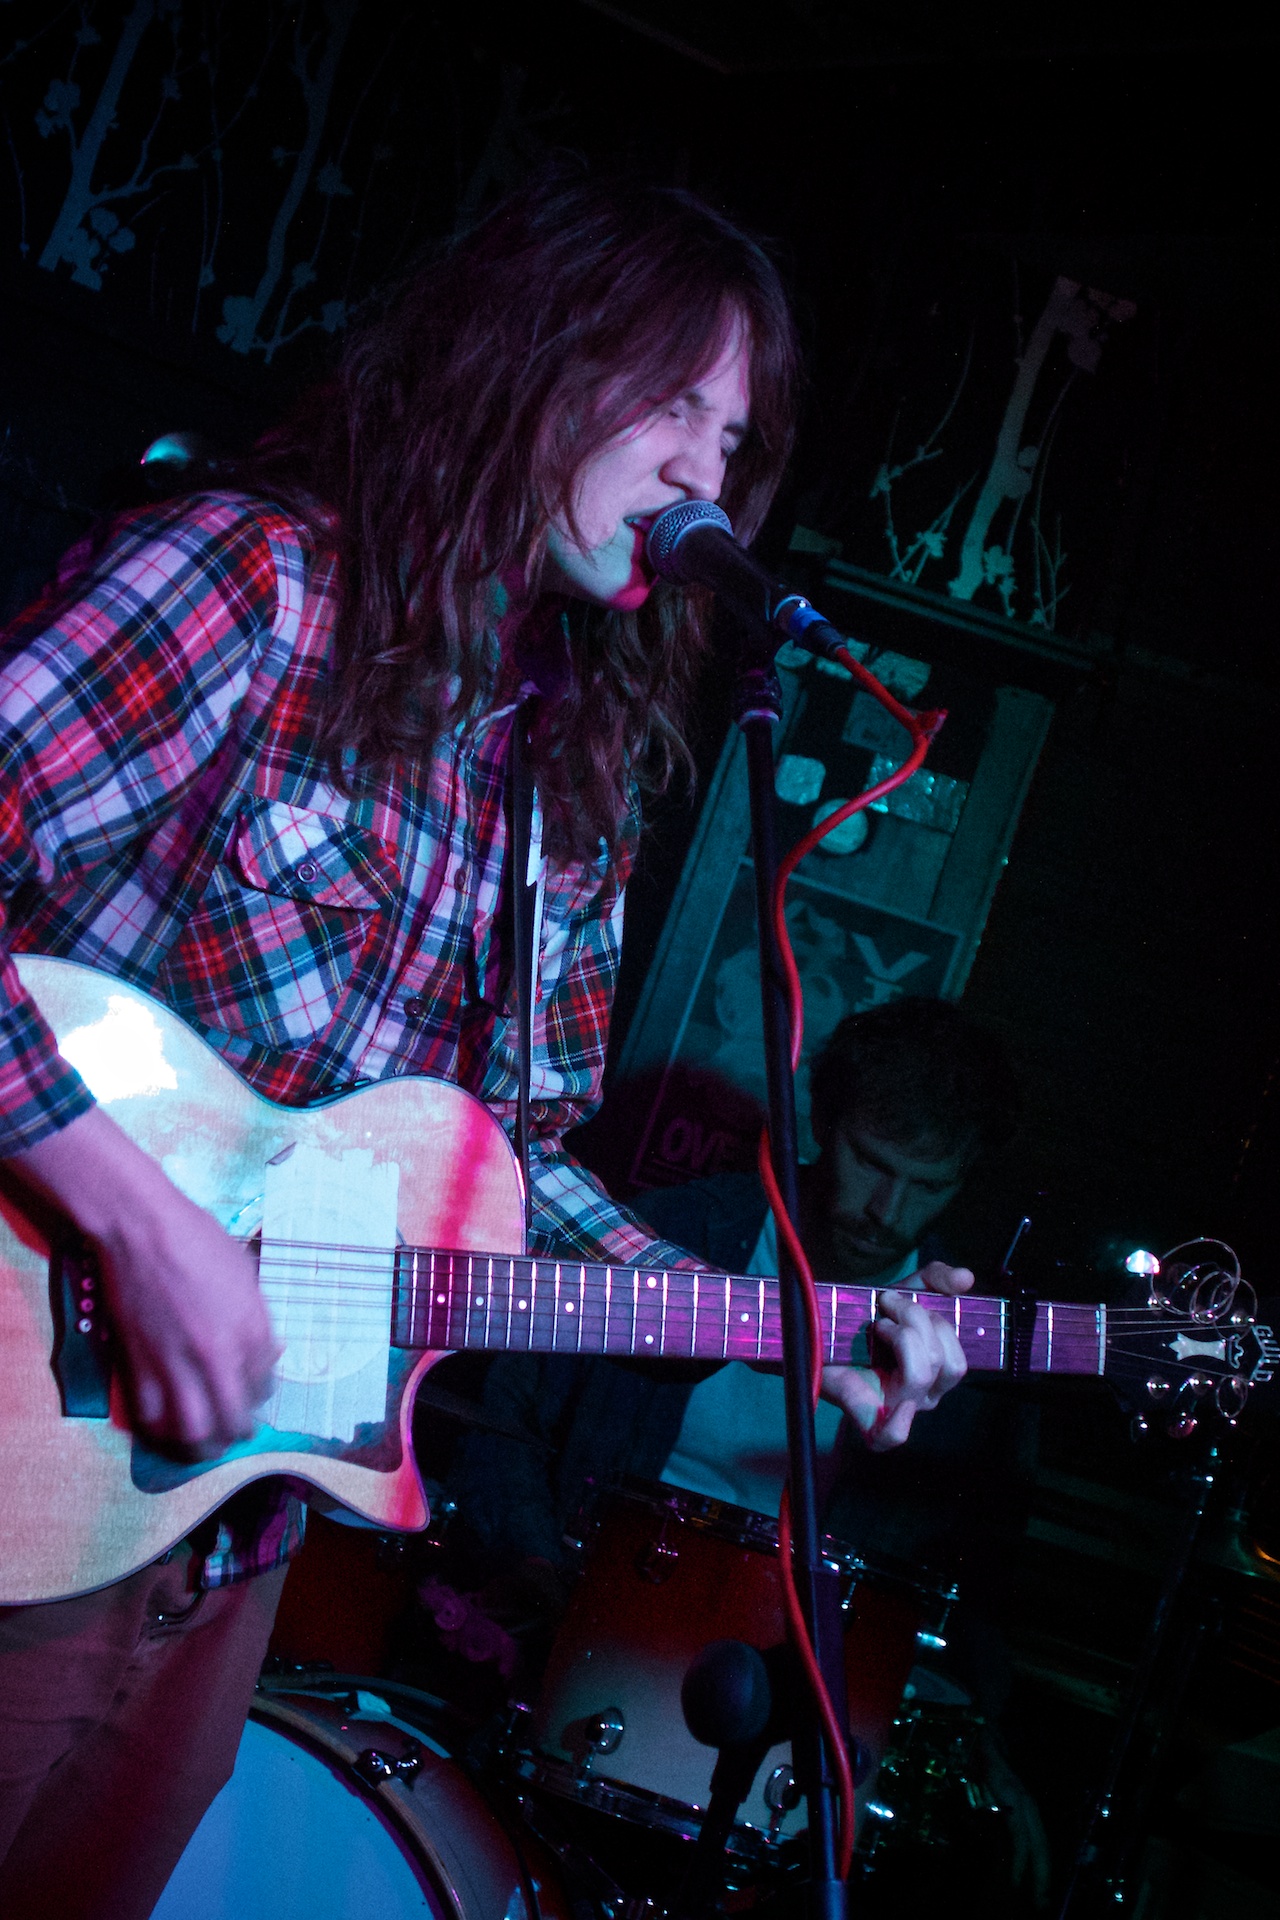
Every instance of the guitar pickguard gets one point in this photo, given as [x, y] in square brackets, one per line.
[376, 1445]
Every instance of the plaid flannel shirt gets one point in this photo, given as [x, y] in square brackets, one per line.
[165, 816]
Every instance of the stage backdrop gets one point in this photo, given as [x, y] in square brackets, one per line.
[893, 903]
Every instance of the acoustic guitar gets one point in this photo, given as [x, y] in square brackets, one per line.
[388, 1225]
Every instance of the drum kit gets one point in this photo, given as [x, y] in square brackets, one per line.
[356, 1795]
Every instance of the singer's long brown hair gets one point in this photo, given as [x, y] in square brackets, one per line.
[454, 431]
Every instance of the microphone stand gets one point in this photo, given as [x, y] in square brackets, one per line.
[757, 709]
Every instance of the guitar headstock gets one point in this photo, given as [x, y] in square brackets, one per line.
[1195, 1350]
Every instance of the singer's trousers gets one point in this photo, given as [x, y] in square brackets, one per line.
[120, 1715]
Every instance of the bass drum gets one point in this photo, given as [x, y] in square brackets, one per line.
[340, 1809]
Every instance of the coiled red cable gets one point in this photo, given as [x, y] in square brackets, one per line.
[922, 727]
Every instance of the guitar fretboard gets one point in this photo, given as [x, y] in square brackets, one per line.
[502, 1304]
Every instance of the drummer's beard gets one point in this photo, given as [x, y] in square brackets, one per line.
[848, 1249]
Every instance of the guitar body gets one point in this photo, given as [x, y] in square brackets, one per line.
[82, 1502]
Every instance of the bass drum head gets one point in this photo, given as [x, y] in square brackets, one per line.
[297, 1834]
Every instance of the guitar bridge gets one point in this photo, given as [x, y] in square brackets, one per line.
[81, 1357]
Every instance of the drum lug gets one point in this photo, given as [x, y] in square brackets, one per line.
[781, 1794]
[657, 1562]
[373, 1766]
[603, 1731]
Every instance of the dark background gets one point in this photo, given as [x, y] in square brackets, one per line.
[915, 182]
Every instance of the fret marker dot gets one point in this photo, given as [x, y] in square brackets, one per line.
[440, 1299]
[568, 1306]
[479, 1299]
[744, 1318]
[652, 1282]
[648, 1339]
[982, 1333]
[523, 1305]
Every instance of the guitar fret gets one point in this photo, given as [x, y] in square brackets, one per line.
[760, 1323]
[662, 1324]
[533, 1307]
[643, 1299]
[582, 1297]
[413, 1283]
[608, 1304]
[728, 1287]
[1003, 1320]
[1100, 1317]
[1048, 1346]
[524, 1304]
[831, 1337]
[693, 1330]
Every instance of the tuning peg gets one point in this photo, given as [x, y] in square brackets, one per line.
[1139, 1427]
[1183, 1427]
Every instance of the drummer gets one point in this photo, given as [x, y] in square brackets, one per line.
[907, 1100]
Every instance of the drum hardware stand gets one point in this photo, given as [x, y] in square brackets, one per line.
[1100, 1843]
[757, 709]
[736, 1768]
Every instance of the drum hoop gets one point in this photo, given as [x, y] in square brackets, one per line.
[392, 1801]
[758, 1532]
[643, 1808]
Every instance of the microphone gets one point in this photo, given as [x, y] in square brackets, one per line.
[727, 1695]
[692, 544]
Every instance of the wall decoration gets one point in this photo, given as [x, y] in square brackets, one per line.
[976, 457]
[243, 170]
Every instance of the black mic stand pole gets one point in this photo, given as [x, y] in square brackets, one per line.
[757, 711]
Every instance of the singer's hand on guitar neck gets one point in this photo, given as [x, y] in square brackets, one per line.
[183, 1295]
[921, 1360]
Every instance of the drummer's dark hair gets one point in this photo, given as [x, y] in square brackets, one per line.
[919, 1072]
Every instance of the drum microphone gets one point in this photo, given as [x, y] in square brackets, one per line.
[692, 544]
[727, 1694]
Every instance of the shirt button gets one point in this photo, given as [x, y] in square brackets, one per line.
[415, 1006]
[308, 870]
[460, 878]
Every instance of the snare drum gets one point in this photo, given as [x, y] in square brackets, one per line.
[341, 1809]
[667, 1572]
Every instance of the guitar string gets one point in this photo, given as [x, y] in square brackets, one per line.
[339, 1279]
[278, 1254]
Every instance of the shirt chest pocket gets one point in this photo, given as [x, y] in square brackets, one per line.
[290, 908]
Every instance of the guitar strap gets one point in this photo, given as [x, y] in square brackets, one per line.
[523, 882]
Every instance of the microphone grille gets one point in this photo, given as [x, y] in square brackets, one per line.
[670, 527]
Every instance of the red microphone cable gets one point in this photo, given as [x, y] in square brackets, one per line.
[922, 728]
